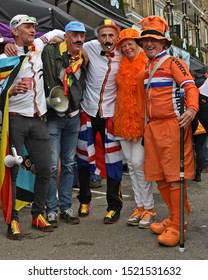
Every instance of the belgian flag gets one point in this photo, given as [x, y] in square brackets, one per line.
[9, 67]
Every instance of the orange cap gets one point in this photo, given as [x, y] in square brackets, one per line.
[154, 27]
[128, 33]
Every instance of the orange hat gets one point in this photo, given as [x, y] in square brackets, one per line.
[107, 23]
[128, 33]
[154, 27]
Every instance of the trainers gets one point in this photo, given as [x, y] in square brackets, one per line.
[53, 218]
[13, 231]
[40, 223]
[84, 210]
[68, 216]
[147, 218]
[134, 219]
[111, 217]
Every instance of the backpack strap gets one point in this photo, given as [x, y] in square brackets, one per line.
[157, 65]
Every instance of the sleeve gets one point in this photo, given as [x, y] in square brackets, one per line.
[42, 41]
[184, 79]
[86, 46]
[49, 66]
[90, 46]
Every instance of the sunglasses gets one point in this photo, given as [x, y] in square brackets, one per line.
[24, 19]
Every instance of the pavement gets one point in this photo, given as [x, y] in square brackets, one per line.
[93, 240]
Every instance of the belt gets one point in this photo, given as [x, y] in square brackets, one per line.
[68, 115]
[35, 115]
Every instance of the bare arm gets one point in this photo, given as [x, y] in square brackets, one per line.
[10, 49]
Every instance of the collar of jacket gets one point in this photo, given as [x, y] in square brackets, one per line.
[63, 48]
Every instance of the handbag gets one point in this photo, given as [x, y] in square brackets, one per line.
[203, 99]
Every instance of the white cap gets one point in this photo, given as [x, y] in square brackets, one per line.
[19, 19]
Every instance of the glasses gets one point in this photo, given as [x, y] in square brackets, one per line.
[24, 19]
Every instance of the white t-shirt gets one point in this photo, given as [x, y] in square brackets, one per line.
[34, 100]
[101, 89]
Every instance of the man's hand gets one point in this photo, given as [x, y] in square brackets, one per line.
[10, 49]
[55, 40]
[85, 57]
[186, 118]
[19, 88]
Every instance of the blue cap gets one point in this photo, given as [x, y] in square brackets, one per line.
[75, 26]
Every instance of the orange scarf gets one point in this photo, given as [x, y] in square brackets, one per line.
[127, 81]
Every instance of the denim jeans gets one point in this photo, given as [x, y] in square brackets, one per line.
[33, 133]
[63, 138]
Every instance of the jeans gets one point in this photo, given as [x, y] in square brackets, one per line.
[33, 133]
[63, 138]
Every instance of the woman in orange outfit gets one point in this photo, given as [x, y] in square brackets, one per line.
[129, 124]
[162, 133]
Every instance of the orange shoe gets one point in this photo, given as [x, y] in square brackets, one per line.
[158, 228]
[170, 237]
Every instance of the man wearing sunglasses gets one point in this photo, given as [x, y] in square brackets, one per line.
[27, 108]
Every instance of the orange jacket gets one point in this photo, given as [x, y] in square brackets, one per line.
[163, 99]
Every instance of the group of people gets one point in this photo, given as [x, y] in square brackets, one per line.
[123, 86]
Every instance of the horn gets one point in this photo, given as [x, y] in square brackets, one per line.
[57, 100]
[11, 160]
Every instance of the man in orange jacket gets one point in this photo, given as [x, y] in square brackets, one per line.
[162, 133]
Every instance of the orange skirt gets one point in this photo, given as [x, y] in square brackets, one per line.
[162, 151]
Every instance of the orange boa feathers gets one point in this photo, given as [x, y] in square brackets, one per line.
[131, 97]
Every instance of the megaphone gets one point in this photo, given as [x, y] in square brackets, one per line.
[57, 100]
[10, 160]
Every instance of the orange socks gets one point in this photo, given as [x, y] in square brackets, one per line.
[171, 196]
[175, 202]
[165, 193]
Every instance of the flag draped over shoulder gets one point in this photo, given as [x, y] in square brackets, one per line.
[9, 67]
[86, 151]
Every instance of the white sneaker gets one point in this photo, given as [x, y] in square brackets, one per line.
[147, 218]
[53, 218]
[68, 216]
[135, 217]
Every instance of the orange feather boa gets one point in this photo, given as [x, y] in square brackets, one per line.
[132, 113]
